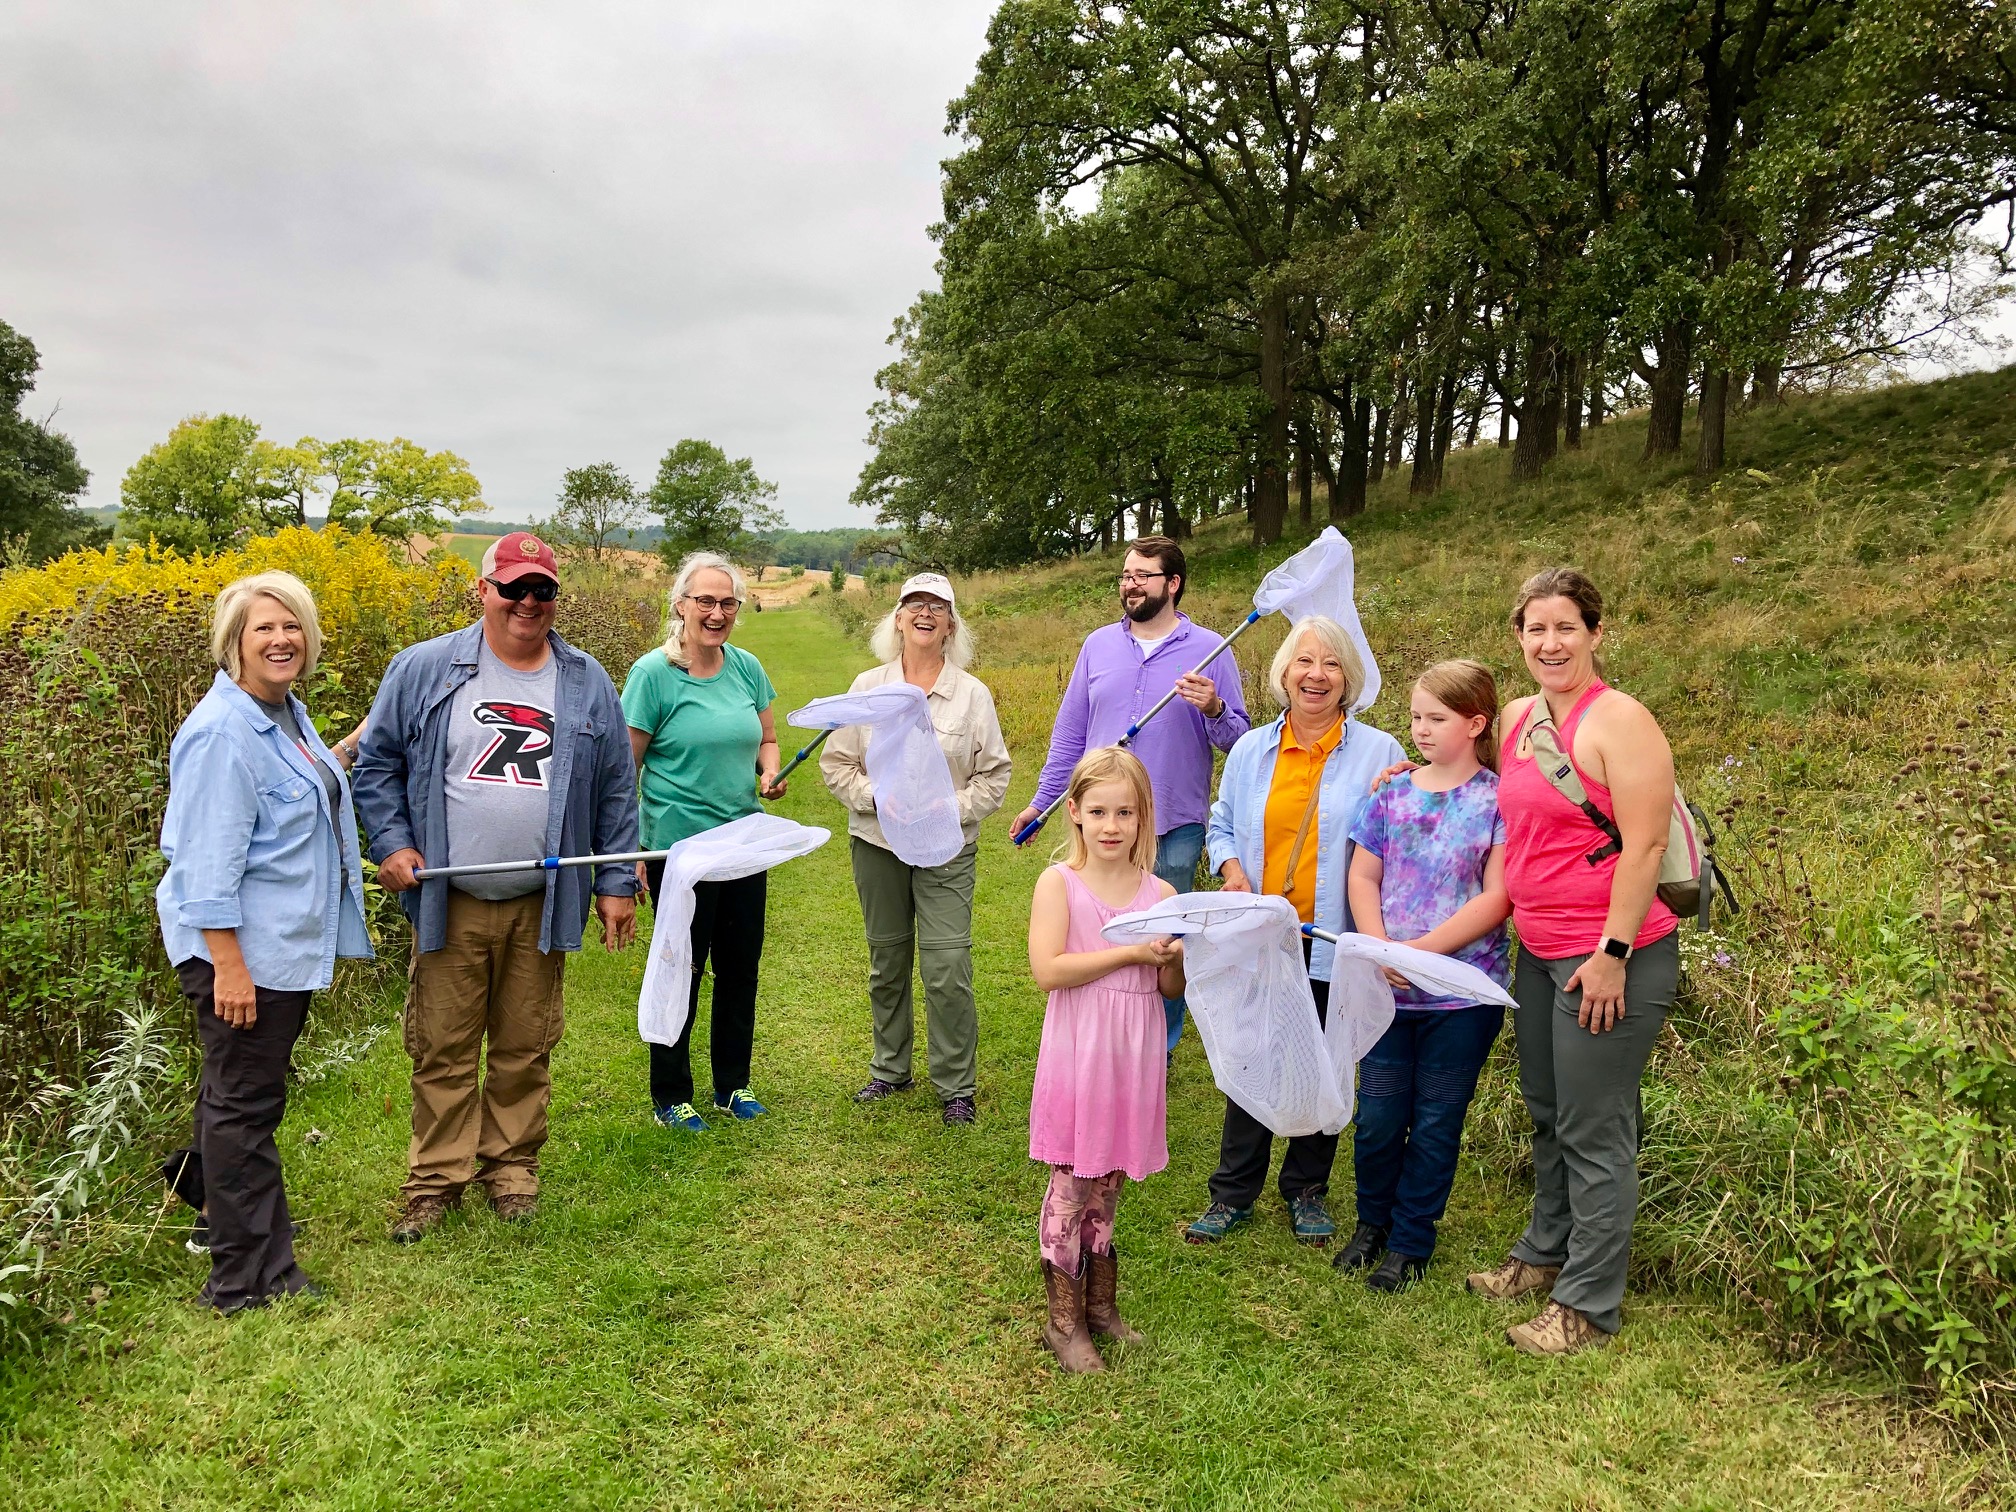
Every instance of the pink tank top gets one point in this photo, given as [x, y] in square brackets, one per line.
[1559, 901]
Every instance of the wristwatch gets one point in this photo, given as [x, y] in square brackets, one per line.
[1617, 950]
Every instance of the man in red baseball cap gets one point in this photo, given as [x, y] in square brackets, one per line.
[497, 742]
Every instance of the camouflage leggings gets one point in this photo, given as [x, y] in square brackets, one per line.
[1078, 1215]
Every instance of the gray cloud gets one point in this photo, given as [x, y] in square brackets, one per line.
[538, 235]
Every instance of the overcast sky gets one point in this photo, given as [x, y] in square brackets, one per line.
[539, 235]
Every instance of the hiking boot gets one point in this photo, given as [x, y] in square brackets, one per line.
[422, 1214]
[516, 1207]
[1512, 1280]
[682, 1116]
[1397, 1272]
[960, 1110]
[1064, 1330]
[1363, 1248]
[1102, 1298]
[877, 1089]
[1313, 1225]
[1215, 1222]
[1557, 1330]
[741, 1103]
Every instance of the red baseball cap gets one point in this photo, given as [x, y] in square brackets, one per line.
[517, 554]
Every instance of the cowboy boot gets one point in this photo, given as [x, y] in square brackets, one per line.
[1102, 1298]
[1064, 1330]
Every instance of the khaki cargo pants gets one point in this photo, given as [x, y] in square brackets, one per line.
[488, 981]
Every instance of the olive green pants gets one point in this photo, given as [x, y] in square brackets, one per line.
[921, 917]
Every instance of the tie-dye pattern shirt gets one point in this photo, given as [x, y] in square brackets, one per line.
[1434, 847]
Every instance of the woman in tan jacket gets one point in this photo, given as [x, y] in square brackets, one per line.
[923, 914]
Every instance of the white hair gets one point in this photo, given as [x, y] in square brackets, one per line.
[886, 641]
[1331, 637]
[682, 584]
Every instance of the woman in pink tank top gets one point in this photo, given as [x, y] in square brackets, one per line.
[1599, 962]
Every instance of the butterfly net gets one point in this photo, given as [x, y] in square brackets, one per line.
[914, 799]
[739, 848]
[1320, 579]
[1249, 994]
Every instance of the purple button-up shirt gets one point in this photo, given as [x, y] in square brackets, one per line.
[1113, 685]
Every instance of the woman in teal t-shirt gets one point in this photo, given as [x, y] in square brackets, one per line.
[706, 746]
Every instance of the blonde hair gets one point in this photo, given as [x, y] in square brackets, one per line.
[886, 641]
[1332, 638]
[1112, 764]
[682, 583]
[1466, 689]
[234, 608]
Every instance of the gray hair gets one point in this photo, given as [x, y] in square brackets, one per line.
[234, 608]
[1330, 635]
[682, 584]
[886, 641]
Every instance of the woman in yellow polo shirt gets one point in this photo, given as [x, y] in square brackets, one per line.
[1282, 824]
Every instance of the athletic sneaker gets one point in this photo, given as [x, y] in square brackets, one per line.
[741, 1103]
[684, 1116]
[1312, 1219]
[960, 1110]
[877, 1089]
[1216, 1222]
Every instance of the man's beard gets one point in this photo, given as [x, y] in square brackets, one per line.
[1150, 606]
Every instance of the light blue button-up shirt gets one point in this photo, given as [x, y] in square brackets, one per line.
[252, 846]
[1239, 818]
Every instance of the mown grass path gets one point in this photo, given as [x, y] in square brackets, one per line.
[837, 1307]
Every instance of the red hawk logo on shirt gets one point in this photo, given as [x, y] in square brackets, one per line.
[524, 742]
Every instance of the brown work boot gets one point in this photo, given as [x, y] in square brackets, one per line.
[1558, 1330]
[1064, 1330]
[1512, 1280]
[422, 1213]
[1102, 1298]
[516, 1207]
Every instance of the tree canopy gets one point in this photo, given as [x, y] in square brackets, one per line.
[709, 503]
[40, 476]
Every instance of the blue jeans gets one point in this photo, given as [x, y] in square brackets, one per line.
[1176, 856]
[1413, 1091]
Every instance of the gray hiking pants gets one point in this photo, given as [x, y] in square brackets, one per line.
[1582, 1092]
[920, 916]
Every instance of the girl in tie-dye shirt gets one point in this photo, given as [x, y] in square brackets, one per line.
[1428, 871]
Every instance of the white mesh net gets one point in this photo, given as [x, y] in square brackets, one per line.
[739, 848]
[914, 798]
[1249, 994]
[1320, 579]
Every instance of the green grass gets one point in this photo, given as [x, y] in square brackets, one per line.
[837, 1306]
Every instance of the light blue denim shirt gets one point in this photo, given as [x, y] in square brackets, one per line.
[1239, 817]
[251, 846]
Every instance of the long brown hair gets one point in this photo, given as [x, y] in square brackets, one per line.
[1466, 689]
[1112, 764]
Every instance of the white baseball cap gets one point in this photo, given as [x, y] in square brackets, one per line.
[934, 583]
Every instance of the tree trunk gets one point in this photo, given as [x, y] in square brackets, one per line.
[1767, 386]
[1305, 474]
[1596, 385]
[1174, 525]
[1476, 418]
[1270, 482]
[1571, 402]
[1422, 479]
[1668, 383]
[1504, 425]
[1375, 464]
[1445, 424]
[1396, 439]
[1714, 421]
[1541, 412]
[1349, 498]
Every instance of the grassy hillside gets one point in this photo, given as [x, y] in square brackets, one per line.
[1825, 634]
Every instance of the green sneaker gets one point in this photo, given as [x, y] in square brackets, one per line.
[684, 1116]
[1216, 1222]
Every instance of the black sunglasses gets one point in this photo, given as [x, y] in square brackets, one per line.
[543, 589]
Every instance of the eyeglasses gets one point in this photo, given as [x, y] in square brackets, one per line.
[1138, 579]
[543, 589]
[914, 607]
[707, 603]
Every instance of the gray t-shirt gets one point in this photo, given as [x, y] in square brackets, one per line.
[500, 751]
[282, 714]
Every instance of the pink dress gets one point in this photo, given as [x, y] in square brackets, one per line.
[1099, 1101]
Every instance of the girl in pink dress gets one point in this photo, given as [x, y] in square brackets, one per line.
[1096, 1110]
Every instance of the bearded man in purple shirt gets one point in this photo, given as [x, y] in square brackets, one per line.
[1123, 670]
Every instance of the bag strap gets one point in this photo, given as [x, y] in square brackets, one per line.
[1308, 817]
[1561, 775]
